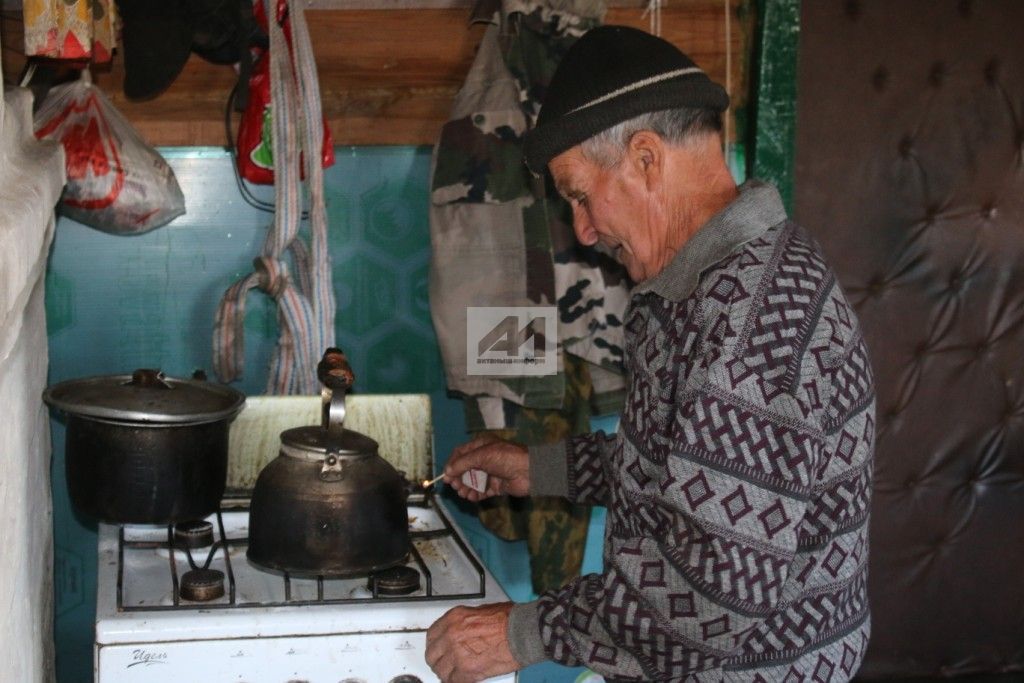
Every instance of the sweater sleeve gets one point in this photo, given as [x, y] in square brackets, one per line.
[576, 468]
[701, 542]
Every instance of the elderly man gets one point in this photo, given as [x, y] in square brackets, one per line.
[738, 484]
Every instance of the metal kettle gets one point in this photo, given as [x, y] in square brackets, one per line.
[329, 504]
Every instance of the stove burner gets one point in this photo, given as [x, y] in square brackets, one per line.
[398, 580]
[145, 586]
[202, 585]
[193, 534]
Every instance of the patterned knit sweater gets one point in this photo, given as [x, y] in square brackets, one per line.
[738, 485]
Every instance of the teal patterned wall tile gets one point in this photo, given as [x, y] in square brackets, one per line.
[74, 568]
[366, 288]
[394, 219]
[69, 579]
[404, 360]
[417, 285]
[340, 218]
[59, 303]
[775, 98]
[261, 317]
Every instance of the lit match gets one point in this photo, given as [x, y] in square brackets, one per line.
[431, 482]
[474, 479]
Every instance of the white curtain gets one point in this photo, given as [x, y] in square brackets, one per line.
[31, 178]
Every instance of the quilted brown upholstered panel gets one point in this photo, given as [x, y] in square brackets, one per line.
[910, 171]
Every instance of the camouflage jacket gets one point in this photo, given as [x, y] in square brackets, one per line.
[501, 236]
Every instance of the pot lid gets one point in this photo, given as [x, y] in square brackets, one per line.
[145, 396]
[310, 443]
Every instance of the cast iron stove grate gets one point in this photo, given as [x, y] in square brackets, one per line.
[378, 585]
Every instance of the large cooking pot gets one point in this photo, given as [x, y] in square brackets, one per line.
[145, 448]
[329, 504]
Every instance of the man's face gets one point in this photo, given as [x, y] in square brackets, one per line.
[612, 206]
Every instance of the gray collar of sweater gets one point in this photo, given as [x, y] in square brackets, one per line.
[757, 208]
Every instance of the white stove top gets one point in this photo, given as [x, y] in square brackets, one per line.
[266, 626]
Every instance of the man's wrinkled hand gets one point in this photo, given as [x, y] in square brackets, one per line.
[470, 644]
[506, 463]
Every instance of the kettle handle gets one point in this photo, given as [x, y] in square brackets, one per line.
[336, 375]
[333, 370]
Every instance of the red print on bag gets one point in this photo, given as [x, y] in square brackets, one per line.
[89, 148]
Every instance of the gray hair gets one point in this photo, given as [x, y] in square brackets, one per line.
[676, 126]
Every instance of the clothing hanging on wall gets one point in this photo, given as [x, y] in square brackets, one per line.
[503, 237]
[554, 529]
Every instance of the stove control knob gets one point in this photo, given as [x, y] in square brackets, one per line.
[404, 678]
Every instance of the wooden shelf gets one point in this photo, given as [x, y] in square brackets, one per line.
[386, 77]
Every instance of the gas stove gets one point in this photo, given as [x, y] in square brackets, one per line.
[183, 603]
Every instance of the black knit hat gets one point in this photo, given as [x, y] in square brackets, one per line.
[610, 75]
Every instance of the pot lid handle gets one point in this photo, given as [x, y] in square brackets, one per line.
[336, 375]
[149, 378]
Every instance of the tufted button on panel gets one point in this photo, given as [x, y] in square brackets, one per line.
[992, 71]
[880, 78]
[906, 146]
[930, 213]
[937, 74]
[989, 211]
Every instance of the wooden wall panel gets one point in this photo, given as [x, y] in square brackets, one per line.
[389, 76]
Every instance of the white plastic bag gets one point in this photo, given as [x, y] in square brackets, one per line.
[115, 181]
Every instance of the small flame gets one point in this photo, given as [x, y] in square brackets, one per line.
[427, 483]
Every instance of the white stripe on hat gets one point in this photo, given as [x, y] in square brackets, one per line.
[637, 85]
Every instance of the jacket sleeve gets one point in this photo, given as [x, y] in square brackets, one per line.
[701, 542]
[576, 468]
